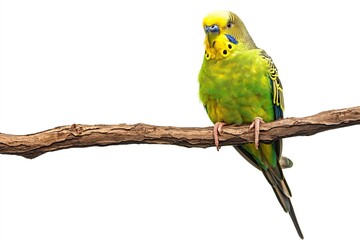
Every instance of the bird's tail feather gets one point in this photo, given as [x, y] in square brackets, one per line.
[283, 194]
[294, 219]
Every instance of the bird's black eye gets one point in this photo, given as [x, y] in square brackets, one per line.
[229, 25]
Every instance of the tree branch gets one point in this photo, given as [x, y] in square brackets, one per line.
[79, 135]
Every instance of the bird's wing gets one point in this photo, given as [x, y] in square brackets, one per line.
[276, 87]
[267, 157]
[249, 152]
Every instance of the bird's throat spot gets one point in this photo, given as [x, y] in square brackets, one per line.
[207, 55]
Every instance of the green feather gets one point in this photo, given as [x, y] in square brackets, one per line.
[239, 82]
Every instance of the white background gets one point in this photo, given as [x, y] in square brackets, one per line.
[109, 62]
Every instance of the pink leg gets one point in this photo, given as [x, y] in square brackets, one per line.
[217, 131]
[256, 124]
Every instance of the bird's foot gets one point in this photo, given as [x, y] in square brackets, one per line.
[217, 132]
[256, 125]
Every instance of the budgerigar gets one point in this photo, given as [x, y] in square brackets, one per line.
[239, 84]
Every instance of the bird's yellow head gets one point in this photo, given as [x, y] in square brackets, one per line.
[224, 33]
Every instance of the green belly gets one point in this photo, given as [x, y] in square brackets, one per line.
[236, 92]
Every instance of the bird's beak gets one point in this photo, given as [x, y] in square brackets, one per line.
[211, 33]
[212, 29]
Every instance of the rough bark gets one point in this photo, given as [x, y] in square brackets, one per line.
[79, 135]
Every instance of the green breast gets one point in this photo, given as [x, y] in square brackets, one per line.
[236, 89]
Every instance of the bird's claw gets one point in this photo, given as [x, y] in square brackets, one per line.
[256, 125]
[217, 131]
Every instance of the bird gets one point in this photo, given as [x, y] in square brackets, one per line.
[239, 84]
